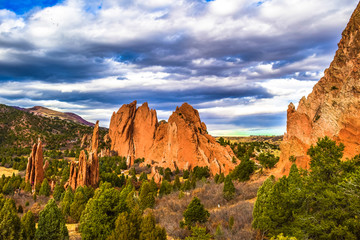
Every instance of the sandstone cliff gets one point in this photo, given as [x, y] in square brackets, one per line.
[86, 172]
[333, 107]
[35, 170]
[181, 142]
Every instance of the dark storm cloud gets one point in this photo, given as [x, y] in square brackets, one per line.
[201, 52]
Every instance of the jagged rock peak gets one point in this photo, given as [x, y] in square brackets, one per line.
[181, 142]
[332, 108]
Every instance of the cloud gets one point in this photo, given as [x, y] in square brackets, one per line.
[231, 59]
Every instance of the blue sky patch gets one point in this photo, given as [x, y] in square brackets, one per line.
[23, 6]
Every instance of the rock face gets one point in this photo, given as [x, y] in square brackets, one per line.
[35, 169]
[333, 107]
[181, 142]
[86, 172]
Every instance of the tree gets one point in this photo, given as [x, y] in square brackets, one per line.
[322, 204]
[216, 178]
[221, 178]
[28, 226]
[51, 223]
[195, 213]
[27, 187]
[127, 226]
[45, 188]
[261, 217]
[58, 191]
[101, 211]
[229, 189]
[121, 230]
[149, 230]
[177, 184]
[268, 160]
[325, 159]
[165, 188]
[66, 202]
[10, 225]
[243, 171]
[143, 177]
[199, 233]
[186, 186]
[147, 199]
[186, 174]
[78, 205]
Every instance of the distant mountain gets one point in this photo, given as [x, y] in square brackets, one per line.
[49, 113]
[21, 128]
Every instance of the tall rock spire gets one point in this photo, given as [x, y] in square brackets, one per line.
[86, 171]
[333, 107]
[35, 169]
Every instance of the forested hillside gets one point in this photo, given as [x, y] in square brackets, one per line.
[19, 129]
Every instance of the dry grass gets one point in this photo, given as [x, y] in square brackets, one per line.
[8, 172]
[73, 231]
[169, 209]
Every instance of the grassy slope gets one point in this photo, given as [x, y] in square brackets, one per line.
[22, 129]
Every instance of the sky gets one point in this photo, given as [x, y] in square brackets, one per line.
[239, 62]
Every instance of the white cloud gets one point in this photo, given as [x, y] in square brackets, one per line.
[184, 45]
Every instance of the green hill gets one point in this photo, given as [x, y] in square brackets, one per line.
[21, 129]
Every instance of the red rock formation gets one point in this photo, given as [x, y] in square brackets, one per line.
[182, 142]
[333, 107]
[35, 169]
[86, 172]
[156, 175]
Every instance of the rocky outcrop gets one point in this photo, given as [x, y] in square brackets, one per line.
[181, 142]
[35, 169]
[155, 175]
[333, 107]
[86, 171]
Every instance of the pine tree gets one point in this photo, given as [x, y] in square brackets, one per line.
[10, 225]
[66, 202]
[261, 217]
[165, 188]
[216, 178]
[325, 159]
[45, 189]
[143, 177]
[186, 186]
[27, 187]
[147, 199]
[149, 230]
[135, 218]
[229, 189]
[195, 213]
[28, 226]
[221, 178]
[51, 223]
[177, 184]
[101, 211]
[58, 191]
[122, 229]
[199, 233]
[78, 205]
